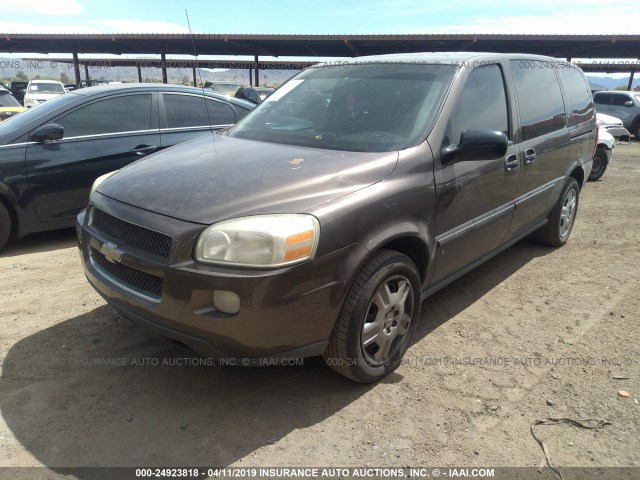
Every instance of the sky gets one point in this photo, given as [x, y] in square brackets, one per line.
[321, 17]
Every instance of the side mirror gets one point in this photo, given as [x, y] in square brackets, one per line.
[48, 132]
[628, 103]
[477, 145]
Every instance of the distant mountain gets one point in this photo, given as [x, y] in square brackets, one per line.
[611, 83]
[9, 68]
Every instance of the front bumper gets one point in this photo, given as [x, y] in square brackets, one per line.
[284, 313]
[621, 134]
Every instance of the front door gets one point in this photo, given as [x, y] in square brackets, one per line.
[99, 137]
[475, 198]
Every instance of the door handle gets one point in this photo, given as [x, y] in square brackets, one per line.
[143, 149]
[529, 156]
[510, 163]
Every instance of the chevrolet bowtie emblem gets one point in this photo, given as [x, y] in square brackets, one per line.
[111, 252]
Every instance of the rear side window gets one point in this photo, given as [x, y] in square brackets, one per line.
[539, 97]
[128, 113]
[191, 111]
[579, 104]
[482, 104]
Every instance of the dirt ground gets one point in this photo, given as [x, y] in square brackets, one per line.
[532, 334]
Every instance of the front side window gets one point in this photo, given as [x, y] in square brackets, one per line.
[127, 113]
[481, 105]
[539, 97]
[365, 107]
[193, 111]
[620, 100]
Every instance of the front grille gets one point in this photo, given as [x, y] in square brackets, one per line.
[134, 236]
[136, 280]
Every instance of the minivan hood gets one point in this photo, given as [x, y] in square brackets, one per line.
[213, 178]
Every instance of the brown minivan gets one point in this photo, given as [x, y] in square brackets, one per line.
[319, 223]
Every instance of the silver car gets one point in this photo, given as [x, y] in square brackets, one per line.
[624, 105]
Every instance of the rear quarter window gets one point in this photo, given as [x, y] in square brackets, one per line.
[578, 101]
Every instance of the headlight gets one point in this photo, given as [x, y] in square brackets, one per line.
[261, 241]
[99, 180]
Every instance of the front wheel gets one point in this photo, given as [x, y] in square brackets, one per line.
[561, 219]
[377, 320]
[600, 162]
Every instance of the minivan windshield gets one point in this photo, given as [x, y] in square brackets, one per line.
[363, 107]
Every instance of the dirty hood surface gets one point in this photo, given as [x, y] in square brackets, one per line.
[214, 178]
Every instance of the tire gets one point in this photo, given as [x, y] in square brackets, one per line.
[637, 132]
[561, 219]
[5, 225]
[600, 162]
[377, 320]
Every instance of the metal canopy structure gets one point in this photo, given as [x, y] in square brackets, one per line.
[564, 46]
[598, 66]
[561, 46]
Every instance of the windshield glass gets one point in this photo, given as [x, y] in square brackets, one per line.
[7, 100]
[368, 107]
[46, 88]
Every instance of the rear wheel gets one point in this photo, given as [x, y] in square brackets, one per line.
[377, 320]
[600, 162]
[561, 219]
[5, 225]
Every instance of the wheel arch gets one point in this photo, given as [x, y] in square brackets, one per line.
[12, 212]
[578, 174]
[413, 247]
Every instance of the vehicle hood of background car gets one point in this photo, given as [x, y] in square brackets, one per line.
[6, 112]
[214, 178]
[42, 96]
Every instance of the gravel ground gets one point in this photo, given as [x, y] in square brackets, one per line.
[532, 334]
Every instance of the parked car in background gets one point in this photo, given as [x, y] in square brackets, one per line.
[603, 153]
[91, 83]
[623, 105]
[18, 90]
[9, 106]
[50, 155]
[613, 126]
[316, 227]
[254, 94]
[225, 88]
[39, 91]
